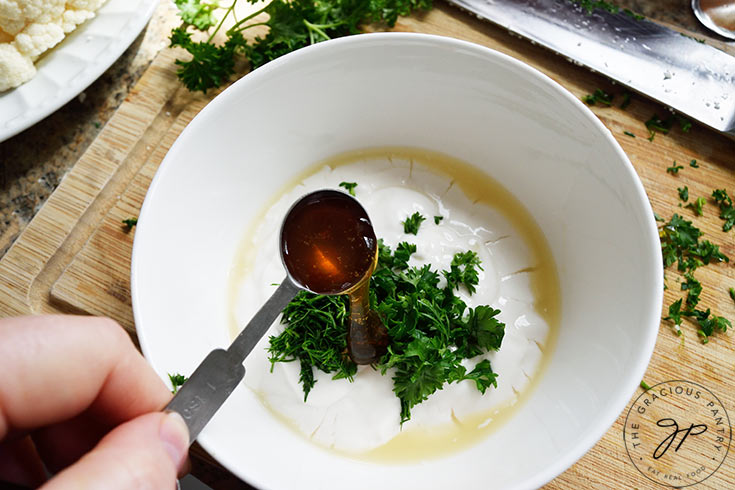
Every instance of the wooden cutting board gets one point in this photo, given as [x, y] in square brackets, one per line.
[74, 257]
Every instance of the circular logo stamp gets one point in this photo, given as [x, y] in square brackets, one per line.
[677, 433]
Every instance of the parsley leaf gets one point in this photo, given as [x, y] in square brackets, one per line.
[600, 96]
[684, 123]
[463, 270]
[683, 193]
[693, 163]
[129, 223]
[483, 376]
[656, 124]
[197, 13]
[727, 211]
[674, 169]
[437, 219]
[694, 288]
[628, 133]
[697, 206]
[626, 100]
[412, 223]
[177, 380]
[350, 186]
[675, 312]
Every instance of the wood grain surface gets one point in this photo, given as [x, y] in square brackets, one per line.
[75, 254]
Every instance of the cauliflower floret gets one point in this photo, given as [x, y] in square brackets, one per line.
[15, 68]
[72, 18]
[90, 5]
[15, 15]
[28, 28]
[37, 38]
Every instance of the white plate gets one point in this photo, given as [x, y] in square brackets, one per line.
[76, 62]
[538, 140]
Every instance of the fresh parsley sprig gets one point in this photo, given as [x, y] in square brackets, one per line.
[292, 24]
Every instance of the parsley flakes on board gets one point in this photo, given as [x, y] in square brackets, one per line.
[431, 329]
[681, 245]
[727, 211]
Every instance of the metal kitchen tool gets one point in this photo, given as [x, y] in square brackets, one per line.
[222, 370]
[716, 15]
[691, 77]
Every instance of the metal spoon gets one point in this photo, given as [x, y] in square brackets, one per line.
[222, 370]
[716, 15]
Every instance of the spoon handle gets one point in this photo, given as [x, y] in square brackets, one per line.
[221, 371]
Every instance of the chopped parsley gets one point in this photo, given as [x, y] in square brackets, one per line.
[630, 13]
[431, 329]
[591, 5]
[656, 124]
[697, 206]
[129, 223]
[177, 380]
[708, 323]
[680, 243]
[683, 193]
[699, 40]
[645, 386]
[626, 100]
[412, 223]
[463, 271]
[731, 291]
[437, 219]
[684, 123]
[693, 163]
[693, 288]
[675, 312]
[674, 169]
[350, 186]
[727, 211]
[600, 96]
[628, 133]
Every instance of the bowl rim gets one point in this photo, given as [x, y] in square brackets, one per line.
[592, 434]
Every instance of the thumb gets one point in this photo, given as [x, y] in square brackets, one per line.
[144, 453]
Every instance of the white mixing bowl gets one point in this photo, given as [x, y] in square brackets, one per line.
[440, 94]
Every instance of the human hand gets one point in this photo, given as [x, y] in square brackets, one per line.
[76, 395]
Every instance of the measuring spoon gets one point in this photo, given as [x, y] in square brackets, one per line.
[327, 246]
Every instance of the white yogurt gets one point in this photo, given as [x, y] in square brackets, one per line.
[359, 416]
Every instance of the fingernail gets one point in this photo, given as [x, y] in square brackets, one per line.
[175, 438]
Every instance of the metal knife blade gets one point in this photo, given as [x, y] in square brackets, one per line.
[693, 78]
